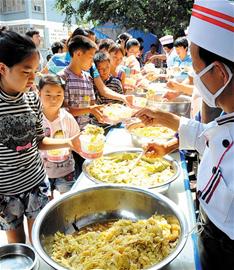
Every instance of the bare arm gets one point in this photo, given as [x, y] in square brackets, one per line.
[154, 118]
[180, 87]
[108, 93]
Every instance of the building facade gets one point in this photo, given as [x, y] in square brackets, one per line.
[21, 15]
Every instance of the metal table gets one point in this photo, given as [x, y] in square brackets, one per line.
[179, 192]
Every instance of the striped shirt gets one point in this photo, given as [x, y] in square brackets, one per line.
[21, 167]
[79, 92]
[114, 84]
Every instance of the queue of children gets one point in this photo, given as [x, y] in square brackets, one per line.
[39, 138]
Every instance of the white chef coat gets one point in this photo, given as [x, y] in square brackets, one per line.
[215, 181]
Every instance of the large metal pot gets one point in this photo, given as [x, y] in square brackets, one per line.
[162, 187]
[180, 105]
[101, 203]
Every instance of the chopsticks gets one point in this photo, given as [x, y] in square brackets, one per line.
[137, 161]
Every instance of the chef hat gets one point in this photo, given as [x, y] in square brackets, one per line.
[212, 26]
[166, 40]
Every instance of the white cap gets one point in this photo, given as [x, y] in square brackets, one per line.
[212, 26]
[166, 40]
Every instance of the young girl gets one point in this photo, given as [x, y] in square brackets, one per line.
[116, 58]
[24, 188]
[57, 123]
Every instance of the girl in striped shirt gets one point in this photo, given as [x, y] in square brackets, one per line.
[24, 187]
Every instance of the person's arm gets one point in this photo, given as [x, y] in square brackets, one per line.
[95, 110]
[154, 118]
[108, 93]
[51, 143]
[186, 89]
[161, 57]
[161, 149]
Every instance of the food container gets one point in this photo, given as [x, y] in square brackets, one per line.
[102, 203]
[141, 140]
[116, 113]
[180, 105]
[92, 141]
[18, 257]
[162, 187]
[92, 147]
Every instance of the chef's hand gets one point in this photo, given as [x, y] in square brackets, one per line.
[147, 117]
[154, 150]
[170, 95]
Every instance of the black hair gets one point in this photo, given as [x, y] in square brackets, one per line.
[64, 41]
[141, 40]
[209, 57]
[14, 48]
[48, 56]
[180, 33]
[132, 42]
[105, 44]
[100, 57]
[169, 45]
[124, 36]
[181, 42]
[80, 43]
[90, 32]
[79, 32]
[50, 79]
[153, 45]
[32, 32]
[116, 48]
[56, 46]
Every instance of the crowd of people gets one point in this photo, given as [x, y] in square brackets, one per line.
[41, 122]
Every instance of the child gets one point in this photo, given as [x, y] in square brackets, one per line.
[79, 93]
[116, 58]
[102, 62]
[132, 65]
[57, 123]
[24, 188]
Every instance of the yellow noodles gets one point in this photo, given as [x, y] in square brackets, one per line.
[116, 168]
[120, 245]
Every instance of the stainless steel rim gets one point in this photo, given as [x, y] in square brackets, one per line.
[51, 205]
[174, 163]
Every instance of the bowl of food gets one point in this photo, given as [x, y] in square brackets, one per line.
[142, 135]
[92, 141]
[18, 257]
[110, 227]
[120, 167]
[116, 113]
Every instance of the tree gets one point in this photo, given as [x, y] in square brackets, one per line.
[157, 16]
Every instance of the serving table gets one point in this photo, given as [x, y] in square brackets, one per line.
[178, 191]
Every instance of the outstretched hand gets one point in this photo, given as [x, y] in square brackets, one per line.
[153, 150]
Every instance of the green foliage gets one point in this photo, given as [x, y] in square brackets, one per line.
[157, 16]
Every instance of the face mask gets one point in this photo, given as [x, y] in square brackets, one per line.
[207, 96]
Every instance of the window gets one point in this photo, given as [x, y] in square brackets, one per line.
[13, 6]
[38, 6]
[20, 29]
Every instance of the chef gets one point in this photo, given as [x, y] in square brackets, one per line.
[168, 47]
[212, 50]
